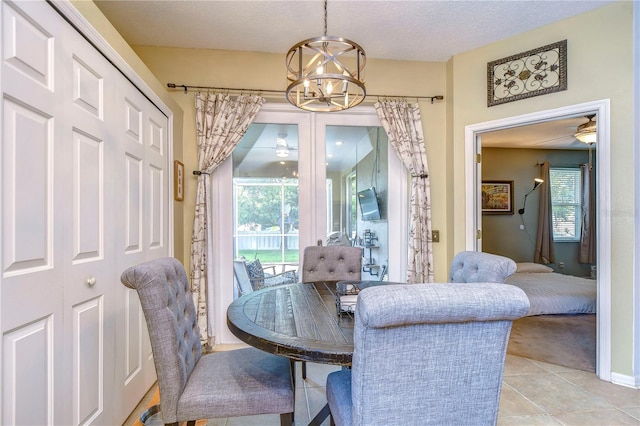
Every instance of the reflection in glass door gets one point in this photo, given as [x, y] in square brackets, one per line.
[357, 186]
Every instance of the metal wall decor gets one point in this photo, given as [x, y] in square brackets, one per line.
[531, 73]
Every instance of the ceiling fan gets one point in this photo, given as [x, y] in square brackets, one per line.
[282, 147]
[586, 132]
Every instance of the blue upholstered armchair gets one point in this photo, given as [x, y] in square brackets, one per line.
[427, 354]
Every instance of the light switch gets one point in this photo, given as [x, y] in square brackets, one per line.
[435, 236]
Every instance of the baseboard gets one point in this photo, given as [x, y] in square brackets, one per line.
[624, 380]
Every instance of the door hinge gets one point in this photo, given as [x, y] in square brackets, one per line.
[478, 158]
[478, 234]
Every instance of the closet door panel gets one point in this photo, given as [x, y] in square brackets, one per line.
[158, 175]
[142, 149]
[88, 85]
[32, 281]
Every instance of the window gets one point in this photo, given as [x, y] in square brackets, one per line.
[566, 201]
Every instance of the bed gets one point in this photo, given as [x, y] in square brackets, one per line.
[553, 293]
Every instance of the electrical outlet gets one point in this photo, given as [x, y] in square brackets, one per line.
[560, 265]
[435, 236]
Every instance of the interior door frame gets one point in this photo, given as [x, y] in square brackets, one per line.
[601, 108]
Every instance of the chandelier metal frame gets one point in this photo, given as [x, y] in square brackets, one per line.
[319, 75]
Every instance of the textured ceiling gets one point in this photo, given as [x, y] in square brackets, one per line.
[413, 30]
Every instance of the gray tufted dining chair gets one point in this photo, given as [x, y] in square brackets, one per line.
[330, 264]
[194, 386]
[426, 354]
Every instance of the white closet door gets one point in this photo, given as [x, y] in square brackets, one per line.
[34, 190]
[85, 194]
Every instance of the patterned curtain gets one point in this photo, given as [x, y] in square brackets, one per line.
[220, 124]
[545, 251]
[403, 125]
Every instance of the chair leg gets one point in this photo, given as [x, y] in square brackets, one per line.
[286, 419]
[304, 370]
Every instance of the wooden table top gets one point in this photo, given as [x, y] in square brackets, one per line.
[298, 321]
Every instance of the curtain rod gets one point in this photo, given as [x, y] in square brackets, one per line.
[187, 87]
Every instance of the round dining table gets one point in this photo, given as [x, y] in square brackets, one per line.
[298, 321]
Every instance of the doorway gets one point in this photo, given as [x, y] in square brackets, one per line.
[473, 180]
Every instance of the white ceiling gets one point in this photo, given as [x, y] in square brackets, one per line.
[412, 30]
[556, 134]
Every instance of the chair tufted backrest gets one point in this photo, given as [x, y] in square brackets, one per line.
[479, 267]
[168, 308]
[431, 354]
[331, 263]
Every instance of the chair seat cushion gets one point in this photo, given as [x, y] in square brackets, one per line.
[339, 396]
[237, 383]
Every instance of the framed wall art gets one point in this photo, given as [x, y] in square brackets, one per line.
[497, 197]
[178, 180]
[532, 73]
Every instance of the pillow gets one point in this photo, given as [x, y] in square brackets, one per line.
[532, 267]
[256, 273]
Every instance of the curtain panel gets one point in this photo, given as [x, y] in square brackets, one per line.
[545, 251]
[220, 124]
[403, 125]
[587, 233]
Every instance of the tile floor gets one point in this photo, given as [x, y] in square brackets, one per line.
[533, 393]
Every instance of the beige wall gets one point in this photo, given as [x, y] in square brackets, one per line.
[267, 71]
[600, 66]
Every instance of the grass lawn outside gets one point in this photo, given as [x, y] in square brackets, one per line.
[270, 256]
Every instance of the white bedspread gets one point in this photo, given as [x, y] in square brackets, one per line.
[552, 293]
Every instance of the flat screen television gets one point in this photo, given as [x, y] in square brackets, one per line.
[368, 200]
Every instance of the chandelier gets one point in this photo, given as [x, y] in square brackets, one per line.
[326, 73]
[587, 132]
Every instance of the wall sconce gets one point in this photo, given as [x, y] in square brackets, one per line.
[536, 184]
